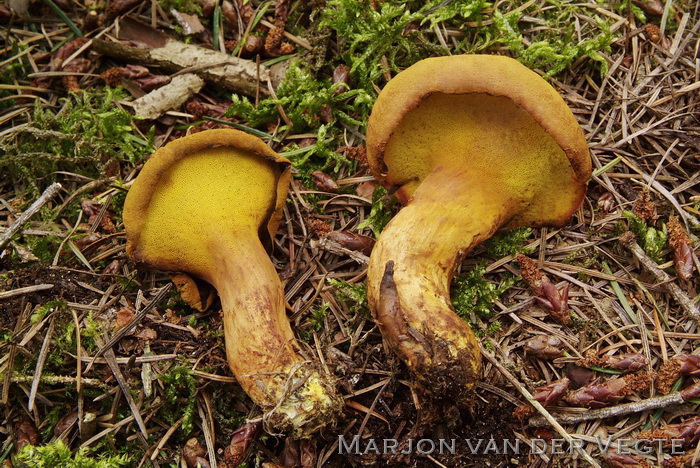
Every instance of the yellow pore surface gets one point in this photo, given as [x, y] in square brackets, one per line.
[213, 199]
[499, 147]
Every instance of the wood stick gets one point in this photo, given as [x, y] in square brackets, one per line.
[612, 411]
[627, 241]
[25, 290]
[45, 197]
[233, 73]
[60, 380]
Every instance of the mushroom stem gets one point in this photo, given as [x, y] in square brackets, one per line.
[260, 344]
[409, 277]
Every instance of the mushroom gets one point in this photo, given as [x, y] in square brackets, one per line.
[209, 205]
[469, 144]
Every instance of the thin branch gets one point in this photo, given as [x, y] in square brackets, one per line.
[612, 411]
[45, 197]
[25, 290]
[60, 380]
[627, 241]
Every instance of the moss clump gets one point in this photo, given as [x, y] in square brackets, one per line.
[180, 391]
[43, 247]
[510, 243]
[51, 306]
[304, 98]
[318, 315]
[472, 294]
[380, 214]
[85, 136]
[557, 47]
[355, 295]
[368, 31]
[652, 240]
[59, 454]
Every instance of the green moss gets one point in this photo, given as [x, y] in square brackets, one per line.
[380, 214]
[90, 332]
[191, 7]
[355, 295]
[59, 454]
[510, 243]
[318, 316]
[556, 46]
[472, 294]
[626, 6]
[391, 30]
[50, 420]
[51, 306]
[227, 418]
[652, 240]
[493, 328]
[180, 391]
[85, 136]
[44, 247]
[302, 96]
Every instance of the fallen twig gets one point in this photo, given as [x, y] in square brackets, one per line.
[337, 249]
[627, 241]
[620, 410]
[60, 380]
[25, 290]
[48, 194]
[168, 97]
[221, 69]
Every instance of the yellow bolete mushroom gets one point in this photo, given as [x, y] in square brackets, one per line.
[469, 144]
[209, 205]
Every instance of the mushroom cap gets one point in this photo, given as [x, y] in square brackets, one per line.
[200, 192]
[486, 114]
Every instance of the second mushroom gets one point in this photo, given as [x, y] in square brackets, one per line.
[208, 205]
[469, 144]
